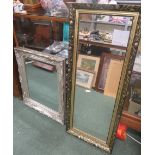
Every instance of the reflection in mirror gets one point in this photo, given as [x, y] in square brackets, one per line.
[43, 83]
[102, 46]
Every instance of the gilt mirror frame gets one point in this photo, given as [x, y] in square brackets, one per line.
[124, 10]
[24, 53]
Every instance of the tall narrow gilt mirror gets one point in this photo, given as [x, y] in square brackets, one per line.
[103, 44]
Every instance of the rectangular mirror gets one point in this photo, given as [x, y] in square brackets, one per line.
[43, 82]
[103, 44]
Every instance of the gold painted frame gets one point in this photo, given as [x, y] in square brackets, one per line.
[126, 10]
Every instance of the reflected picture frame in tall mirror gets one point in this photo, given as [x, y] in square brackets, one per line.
[115, 10]
[24, 53]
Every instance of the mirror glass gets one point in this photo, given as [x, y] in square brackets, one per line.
[43, 83]
[102, 45]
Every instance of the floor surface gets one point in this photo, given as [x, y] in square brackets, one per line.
[35, 134]
[93, 112]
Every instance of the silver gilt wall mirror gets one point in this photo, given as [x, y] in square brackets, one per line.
[103, 44]
[42, 81]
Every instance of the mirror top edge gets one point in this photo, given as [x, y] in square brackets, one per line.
[105, 7]
[37, 53]
[107, 12]
[93, 5]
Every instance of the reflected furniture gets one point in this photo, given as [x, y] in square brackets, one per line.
[40, 16]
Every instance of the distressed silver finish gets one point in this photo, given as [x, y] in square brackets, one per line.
[59, 62]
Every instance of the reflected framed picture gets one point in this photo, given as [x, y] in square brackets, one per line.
[84, 78]
[90, 64]
[103, 69]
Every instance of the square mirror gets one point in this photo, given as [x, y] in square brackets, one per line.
[103, 43]
[43, 82]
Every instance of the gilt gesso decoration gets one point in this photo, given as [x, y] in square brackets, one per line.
[24, 54]
[79, 105]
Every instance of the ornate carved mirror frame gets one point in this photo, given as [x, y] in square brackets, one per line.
[24, 53]
[119, 10]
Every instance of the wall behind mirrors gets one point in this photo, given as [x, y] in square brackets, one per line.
[100, 51]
